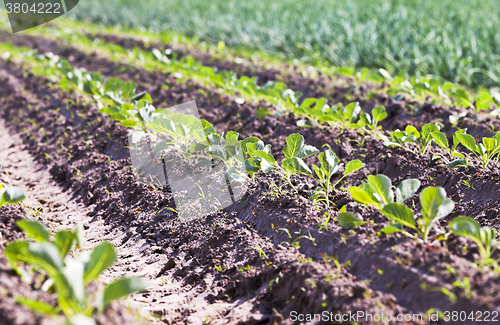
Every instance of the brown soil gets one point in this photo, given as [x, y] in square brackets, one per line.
[204, 270]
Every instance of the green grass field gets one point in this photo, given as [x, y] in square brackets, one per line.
[457, 40]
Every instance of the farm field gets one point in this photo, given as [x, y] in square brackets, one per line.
[365, 190]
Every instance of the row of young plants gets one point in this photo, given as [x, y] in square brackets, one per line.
[318, 113]
[419, 142]
[66, 272]
[186, 68]
[244, 159]
[341, 117]
[197, 138]
[277, 93]
[420, 88]
[379, 192]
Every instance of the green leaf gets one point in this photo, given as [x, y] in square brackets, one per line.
[467, 141]
[399, 213]
[64, 241]
[34, 230]
[102, 257]
[406, 189]
[162, 125]
[264, 155]
[37, 306]
[487, 236]
[78, 233]
[348, 220]
[231, 138]
[411, 130]
[428, 128]
[489, 144]
[296, 165]
[128, 90]
[320, 173]
[217, 151]
[195, 147]
[330, 164]
[294, 144]
[351, 111]
[262, 112]
[353, 166]
[364, 120]
[379, 114]
[457, 162]
[73, 278]
[434, 204]
[361, 196]
[205, 163]
[11, 195]
[440, 139]
[345, 71]
[390, 229]
[121, 288]
[128, 123]
[248, 140]
[467, 227]
[44, 254]
[48, 256]
[382, 186]
[307, 151]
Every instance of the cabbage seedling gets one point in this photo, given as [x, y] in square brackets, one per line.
[421, 139]
[455, 157]
[329, 165]
[435, 206]
[484, 151]
[378, 191]
[10, 194]
[483, 236]
[295, 151]
[69, 275]
[343, 117]
[371, 122]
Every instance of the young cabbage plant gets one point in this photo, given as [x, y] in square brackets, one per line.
[484, 151]
[313, 109]
[69, 276]
[343, 117]
[359, 76]
[370, 123]
[454, 158]
[422, 140]
[330, 165]
[184, 132]
[228, 149]
[435, 206]
[348, 220]
[483, 236]
[378, 191]
[337, 116]
[252, 164]
[295, 151]
[10, 194]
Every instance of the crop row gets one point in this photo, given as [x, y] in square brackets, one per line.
[318, 113]
[421, 37]
[278, 94]
[244, 159]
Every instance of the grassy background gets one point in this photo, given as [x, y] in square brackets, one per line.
[455, 39]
